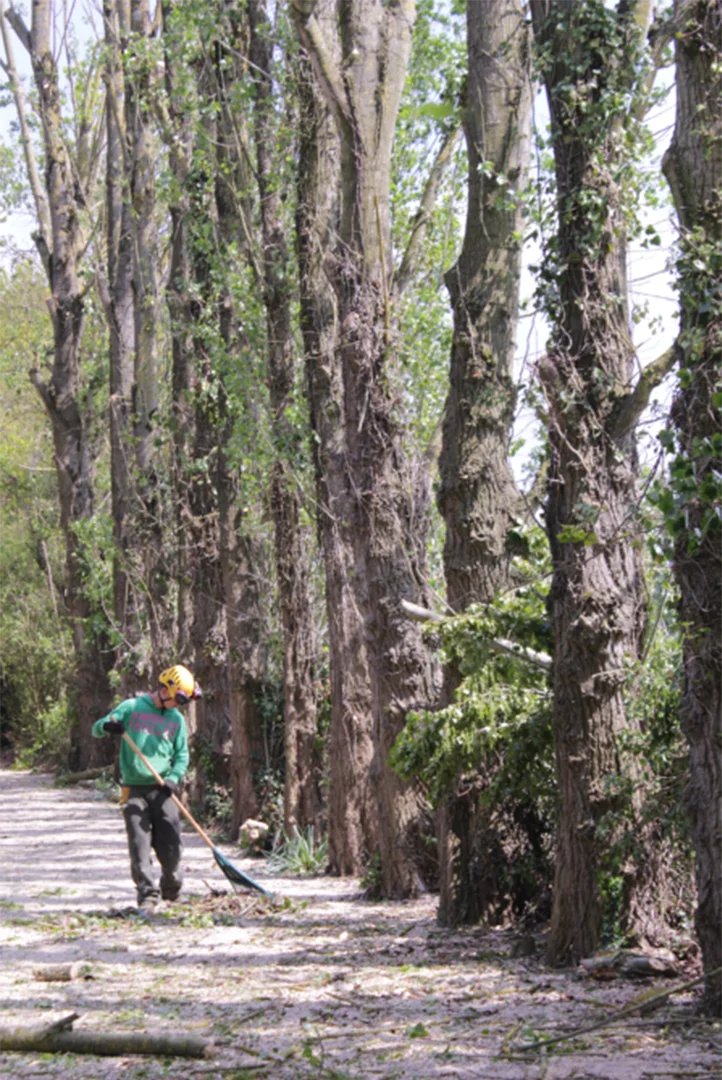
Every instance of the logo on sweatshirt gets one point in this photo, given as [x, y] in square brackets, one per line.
[162, 727]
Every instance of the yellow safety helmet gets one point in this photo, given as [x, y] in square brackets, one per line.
[179, 682]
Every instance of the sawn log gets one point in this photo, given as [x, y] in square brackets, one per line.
[102, 1043]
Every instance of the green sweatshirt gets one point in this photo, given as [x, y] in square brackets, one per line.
[159, 733]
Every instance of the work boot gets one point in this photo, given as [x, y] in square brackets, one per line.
[148, 905]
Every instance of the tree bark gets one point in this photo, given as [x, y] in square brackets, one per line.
[302, 793]
[62, 248]
[118, 301]
[693, 166]
[388, 527]
[243, 556]
[352, 824]
[595, 602]
[104, 1043]
[141, 188]
[174, 629]
[477, 495]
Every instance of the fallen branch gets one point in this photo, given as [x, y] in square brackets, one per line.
[55, 1039]
[65, 1023]
[422, 614]
[640, 1006]
[63, 972]
[86, 774]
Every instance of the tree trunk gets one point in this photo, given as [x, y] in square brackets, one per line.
[693, 166]
[352, 824]
[141, 187]
[176, 635]
[243, 557]
[595, 603]
[205, 468]
[388, 531]
[477, 494]
[62, 246]
[118, 302]
[302, 793]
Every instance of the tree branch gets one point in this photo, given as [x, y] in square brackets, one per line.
[18, 24]
[42, 210]
[409, 261]
[630, 407]
[326, 68]
[43, 390]
[421, 614]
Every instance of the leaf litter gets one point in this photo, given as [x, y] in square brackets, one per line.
[315, 983]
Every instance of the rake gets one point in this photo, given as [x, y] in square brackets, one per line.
[236, 877]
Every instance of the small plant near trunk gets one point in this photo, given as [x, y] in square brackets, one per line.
[299, 853]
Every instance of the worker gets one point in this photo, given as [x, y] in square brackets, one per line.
[157, 727]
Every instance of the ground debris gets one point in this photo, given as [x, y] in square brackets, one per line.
[625, 964]
[320, 986]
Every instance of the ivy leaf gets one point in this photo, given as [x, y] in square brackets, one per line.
[577, 534]
[440, 111]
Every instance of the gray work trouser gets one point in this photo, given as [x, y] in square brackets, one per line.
[152, 822]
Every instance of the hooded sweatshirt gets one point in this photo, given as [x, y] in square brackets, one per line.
[159, 733]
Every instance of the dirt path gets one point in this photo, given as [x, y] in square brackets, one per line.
[327, 986]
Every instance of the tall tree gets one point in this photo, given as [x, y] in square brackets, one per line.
[302, 793]
[693, 167]
[590, 58]
[141, 166]
[243, 554]
[129, 293]
[202, 484]
[60, 200]
[477, 495]
[362, 76]
[116, 292]
[352, 819]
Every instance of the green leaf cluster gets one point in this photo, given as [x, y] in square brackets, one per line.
[691, 498]
[35, 641]
[501, 705]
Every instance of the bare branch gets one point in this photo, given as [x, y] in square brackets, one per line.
[44, 241]
[421, 614]
[18, 24]
[326, 68]
[409, 261]
[42, 388]
[630, 407]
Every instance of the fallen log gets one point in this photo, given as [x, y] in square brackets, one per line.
[87, 774]
[63, 972]
[103, 1043]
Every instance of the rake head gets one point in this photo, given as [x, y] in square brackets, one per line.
[236, 877]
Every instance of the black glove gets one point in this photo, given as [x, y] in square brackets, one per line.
[114, 727]
[169, 787]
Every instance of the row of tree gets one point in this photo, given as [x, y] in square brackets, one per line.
[256, 165]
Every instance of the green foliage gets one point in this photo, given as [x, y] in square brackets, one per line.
[429, 111]
[35, 643]
[300, 854]
[502, 703]
[219, 805]
[13, 184]
[691, 499]
[655, 771]
[492, 745]
[599, 72]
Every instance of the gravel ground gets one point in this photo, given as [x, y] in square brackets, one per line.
[317, 983]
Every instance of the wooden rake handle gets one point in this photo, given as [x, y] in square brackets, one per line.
[159, 780]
